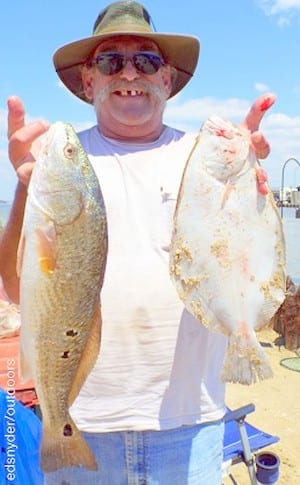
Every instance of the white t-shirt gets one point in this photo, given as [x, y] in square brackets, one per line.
[158, 368]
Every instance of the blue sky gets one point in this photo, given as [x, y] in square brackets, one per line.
[248, 47]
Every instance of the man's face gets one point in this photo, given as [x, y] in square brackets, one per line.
[128, 103]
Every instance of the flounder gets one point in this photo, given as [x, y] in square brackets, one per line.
[227, 254]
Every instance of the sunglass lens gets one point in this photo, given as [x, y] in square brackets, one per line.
[147, 62]
[110, 63]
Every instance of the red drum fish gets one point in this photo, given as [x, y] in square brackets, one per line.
[227, 254]
[61, 262]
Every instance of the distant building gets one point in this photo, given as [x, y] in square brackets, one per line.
[287, 196]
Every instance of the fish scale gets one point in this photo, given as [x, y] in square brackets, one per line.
[61, 262]
[227, 253]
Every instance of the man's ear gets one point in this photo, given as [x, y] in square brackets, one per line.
[168, 75]
[87, 82]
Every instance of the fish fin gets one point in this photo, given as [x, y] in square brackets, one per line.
[20, 253]
[88, 357]
[47, 248]
[65, 448]
[229, 187]
[245, 360]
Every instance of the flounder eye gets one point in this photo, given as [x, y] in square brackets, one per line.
[69, 150]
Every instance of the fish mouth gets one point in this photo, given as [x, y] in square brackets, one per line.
[131, 93]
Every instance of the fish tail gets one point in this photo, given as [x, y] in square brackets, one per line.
[64, 448]
[245, 360]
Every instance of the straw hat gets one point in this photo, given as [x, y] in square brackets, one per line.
[126, 18]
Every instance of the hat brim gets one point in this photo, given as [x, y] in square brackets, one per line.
[180, 51]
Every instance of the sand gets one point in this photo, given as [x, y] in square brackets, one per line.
[277, 403]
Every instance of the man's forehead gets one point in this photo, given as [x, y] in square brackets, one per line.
[119, 41]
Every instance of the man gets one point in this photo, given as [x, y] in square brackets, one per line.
[152, 407]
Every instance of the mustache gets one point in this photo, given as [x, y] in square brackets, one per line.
[139, 85]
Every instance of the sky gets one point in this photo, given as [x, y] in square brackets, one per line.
[248, 47]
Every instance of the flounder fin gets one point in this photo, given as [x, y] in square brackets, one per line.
[47, 247]
[88, 357]
[65, 448]
[245, 360]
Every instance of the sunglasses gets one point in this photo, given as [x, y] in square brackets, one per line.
[110, 63]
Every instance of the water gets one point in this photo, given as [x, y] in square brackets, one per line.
[291, 228]
[4, 212]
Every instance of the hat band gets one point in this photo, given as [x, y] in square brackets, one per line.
[123, 29]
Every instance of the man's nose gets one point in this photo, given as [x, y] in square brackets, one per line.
[129, 71]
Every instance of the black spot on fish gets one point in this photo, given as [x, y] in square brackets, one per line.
[65, 355]
[71, 333]
[68, 430]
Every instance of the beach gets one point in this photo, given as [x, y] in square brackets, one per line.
[277, 410]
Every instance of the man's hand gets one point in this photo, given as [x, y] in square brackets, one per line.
[259, 142]
[23, 143]
[22, 149]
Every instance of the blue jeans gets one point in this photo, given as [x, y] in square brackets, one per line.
[190, 455]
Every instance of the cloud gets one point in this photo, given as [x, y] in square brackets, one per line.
[273, 7]
[284, 10]
[189, 115]
[261, 87]
[282, 131]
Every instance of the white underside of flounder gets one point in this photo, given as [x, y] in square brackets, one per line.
[227, 255]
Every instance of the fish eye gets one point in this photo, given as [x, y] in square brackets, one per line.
[69, 150]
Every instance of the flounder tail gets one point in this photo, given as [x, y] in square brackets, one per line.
[64, 448]
[245, 361]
